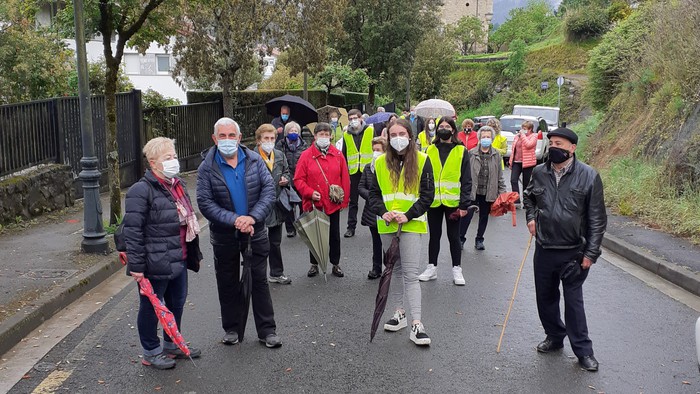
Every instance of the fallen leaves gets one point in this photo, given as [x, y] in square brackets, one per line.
[27, 376]
[288, 370]
[686, 382]
[101, 381]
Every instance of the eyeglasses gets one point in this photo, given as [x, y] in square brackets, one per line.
[353, 118]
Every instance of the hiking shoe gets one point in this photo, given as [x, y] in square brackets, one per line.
[291, 234]
[271, 341]
[397, 322]
[350, 233]
[373, 274]
[457, 276]
[479, 245]
[177, 353]
[418, 335]
[159, 361]
[230, 338]
[313, 271]
[280, 279]
[430, 273]
[337, 271]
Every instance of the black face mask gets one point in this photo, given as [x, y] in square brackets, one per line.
[558, 155]
[444, 134]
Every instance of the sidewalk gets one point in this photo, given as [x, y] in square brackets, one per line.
[42, 270]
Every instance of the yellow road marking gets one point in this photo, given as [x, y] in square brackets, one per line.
[52, 382]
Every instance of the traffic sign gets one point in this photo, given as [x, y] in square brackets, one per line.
[545, 85]
[560, 81]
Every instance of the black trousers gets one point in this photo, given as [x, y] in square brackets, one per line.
[334, 240]
[547, 266]
[484, 209]
[275, 258]
[377, 252]
[435, 216]
[227, 263]
[291, 218]
[354, 197]
[515, 171]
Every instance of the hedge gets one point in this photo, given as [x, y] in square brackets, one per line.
[256, 97]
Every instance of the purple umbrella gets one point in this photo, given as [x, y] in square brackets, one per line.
[379, 117]
[391, 257]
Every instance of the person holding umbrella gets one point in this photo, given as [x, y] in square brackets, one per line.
[160, 231]
[281, 121]
[236, 193]
[292, 146]
[323, 182]
[369, 219]
[453, 184]
[357, 149]
[487, 183]
[400, 194]
[426, 137]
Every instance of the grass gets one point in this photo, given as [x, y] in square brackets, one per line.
[584, 130]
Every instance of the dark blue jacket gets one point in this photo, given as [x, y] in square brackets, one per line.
[214, 199]
[152, 230]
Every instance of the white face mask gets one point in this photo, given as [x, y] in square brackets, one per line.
[399, 143]
[267, 147]
[355, 124]
[323, 142]
[431, 126]
[376, 154]
[334, 120]
[171, 168]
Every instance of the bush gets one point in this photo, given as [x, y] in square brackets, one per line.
[515, 65]
[586, 22]
[152, 99]
[257, 97]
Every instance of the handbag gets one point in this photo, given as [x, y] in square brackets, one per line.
[194, 255]
[335, 193]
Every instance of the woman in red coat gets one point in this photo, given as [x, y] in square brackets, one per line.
[319, 167]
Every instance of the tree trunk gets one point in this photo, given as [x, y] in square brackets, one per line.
[370, 98]
[115, 196]
[227, 99]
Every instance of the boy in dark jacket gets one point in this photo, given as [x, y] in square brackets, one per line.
[368, 218]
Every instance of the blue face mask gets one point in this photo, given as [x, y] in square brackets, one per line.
[292, 136]
[228, 147]
[485, 142]
[284, 117]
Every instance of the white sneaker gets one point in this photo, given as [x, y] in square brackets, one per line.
[397, 322]
[430, 273]
[418, 335]
[457, 275]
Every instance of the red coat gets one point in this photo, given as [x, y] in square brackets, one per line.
[308, 178]
[470, 141]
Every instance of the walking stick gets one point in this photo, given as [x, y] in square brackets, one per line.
[512, 298]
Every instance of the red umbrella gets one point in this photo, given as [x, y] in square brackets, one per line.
[455, 215]
[505, 203]
[165, 317]
[391, 257]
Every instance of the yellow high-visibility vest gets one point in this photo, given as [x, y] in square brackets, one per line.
[424, 140]
[447, 178]
[397, 199]
[358, 159]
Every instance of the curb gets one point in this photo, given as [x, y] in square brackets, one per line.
[674, 273]
[21, 324]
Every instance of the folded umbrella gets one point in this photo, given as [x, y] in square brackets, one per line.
[435, 108]
[287, 198]
[505, 203]
[391, 257]
[455, 215]
[301, 111]
[314, 229]
[245, 288]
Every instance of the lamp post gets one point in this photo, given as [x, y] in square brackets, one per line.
[94, 240]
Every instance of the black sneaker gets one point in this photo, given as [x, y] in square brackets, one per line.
[350, 233]
[373, 274]
[479, 245]
[337, 271]
[271, 341]
[313, 271]
[291, 234]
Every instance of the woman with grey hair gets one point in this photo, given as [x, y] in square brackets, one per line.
[487, 182]
[160, 231]
[292, 145]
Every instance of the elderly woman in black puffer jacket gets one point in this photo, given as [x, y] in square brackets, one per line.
[160, 231]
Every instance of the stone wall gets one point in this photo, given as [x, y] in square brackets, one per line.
[454, 10]
[32, 193]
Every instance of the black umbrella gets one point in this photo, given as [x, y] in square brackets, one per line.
[245, 288]
[301, 111]
[391, 257]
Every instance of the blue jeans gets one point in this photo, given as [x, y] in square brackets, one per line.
[173, 293]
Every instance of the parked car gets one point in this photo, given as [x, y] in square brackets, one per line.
[510, 126]
[550, 114]
[481, 121]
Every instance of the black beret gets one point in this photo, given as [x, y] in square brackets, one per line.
[564, 133]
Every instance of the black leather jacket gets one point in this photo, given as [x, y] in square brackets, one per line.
[570, 215]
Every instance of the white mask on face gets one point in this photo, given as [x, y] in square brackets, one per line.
[267, 147]
[376, 154]
[334, 120]
[431, 126]
[323, 142]
[355, 123]
[399, 143]
[171, 168]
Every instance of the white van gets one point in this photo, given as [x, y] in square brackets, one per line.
[550, 114]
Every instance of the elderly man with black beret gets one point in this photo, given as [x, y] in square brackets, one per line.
[566, 213]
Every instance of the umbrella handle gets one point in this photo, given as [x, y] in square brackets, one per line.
[398, 231]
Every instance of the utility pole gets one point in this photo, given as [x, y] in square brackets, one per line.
[94, 240]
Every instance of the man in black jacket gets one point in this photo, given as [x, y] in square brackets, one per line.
[566, 213]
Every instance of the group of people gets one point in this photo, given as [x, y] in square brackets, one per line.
[411, 178]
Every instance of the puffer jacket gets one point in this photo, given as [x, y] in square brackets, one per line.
[279, 169]
[214, 199]
[292, 155]
[570, 215]
[528, 147]
[497, 184]
[152, 230]
[368, 218]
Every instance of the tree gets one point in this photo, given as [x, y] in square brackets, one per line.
[34, 63]
[281, 79]
[225, 41]
[337, 75]
[428, 75]
[135, 23]
[96, 79]
[530, 24]
[467, 32]
[515, 66]
[382, 36]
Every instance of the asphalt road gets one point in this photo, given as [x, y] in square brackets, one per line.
[642, 337]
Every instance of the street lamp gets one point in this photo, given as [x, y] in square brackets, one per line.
[94, 240]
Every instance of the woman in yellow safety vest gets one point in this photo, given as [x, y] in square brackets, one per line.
[400, 194]
[426, 137]
[453, 182]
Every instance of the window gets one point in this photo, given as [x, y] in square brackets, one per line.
[163, 64]
[132, 63]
